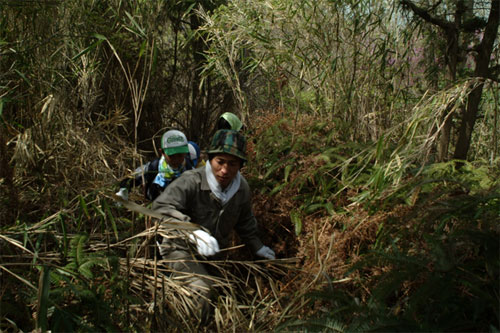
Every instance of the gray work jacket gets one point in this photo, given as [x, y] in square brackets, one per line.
[189, 198]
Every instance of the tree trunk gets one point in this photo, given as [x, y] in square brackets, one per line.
[452, 61]
[468, 121]
[482, 62]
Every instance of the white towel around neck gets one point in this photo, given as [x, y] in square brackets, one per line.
[223, 195]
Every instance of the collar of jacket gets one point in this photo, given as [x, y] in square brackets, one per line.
[204, 181]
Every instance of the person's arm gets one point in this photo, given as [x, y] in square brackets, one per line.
[172, 202]
[248, 230]
[144, 172]
[246, 227]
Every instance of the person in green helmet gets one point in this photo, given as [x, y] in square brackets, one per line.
[218, 198]
[229, 120]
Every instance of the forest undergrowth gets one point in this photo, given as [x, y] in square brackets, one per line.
[353, 253]
[408, 258]
[373, 143]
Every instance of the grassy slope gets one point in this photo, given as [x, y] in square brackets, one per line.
[422, 256]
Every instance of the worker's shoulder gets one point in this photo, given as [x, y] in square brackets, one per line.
[150, 166]
[194, 173]
[244, 184]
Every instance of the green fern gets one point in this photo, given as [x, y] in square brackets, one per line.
[82, 262]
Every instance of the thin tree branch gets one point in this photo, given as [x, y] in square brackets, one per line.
[426, 16]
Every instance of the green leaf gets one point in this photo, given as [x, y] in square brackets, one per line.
[288, 168]
[111, 218]
[83, 206]
[136, 29]
[187, 12]
[25, 79]
[143, 48]
[99, 37]
[297, 221]
[80, 254]
[65, 235]
[43, 299]
[1, 108]
[90, 47]
[380, 149]
[329, 208]
[314, 207]
[272, 169]
[86, 268]
[277, 188]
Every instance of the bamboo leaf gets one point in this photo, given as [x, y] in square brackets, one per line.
[90, 47]
[138, 29]
[110, 218]
[43, 299]
[99, 37]
[276, 189]
[83, 206]
[64, 235]
[272, 169]
[314, 207]
[20, 278]
[380, 149]
[188, 11]
[25, 79]
[1, 108]
[297, 221]
[143, 48]
[329, 208]
[288, 168]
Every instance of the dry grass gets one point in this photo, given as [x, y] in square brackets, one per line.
[65, 154]
[250, 293]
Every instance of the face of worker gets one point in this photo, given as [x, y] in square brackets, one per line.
[225, 167]
[175, 160]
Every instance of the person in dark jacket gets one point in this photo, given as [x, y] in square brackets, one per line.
[157, 174]
[217, 198]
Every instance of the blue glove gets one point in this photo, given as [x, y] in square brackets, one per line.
[266, 252]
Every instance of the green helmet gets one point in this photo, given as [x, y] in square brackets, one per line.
[229, 120]
[229, 142]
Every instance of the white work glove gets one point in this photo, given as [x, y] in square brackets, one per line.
[205, 243]
[266, 252]
[123, 192]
